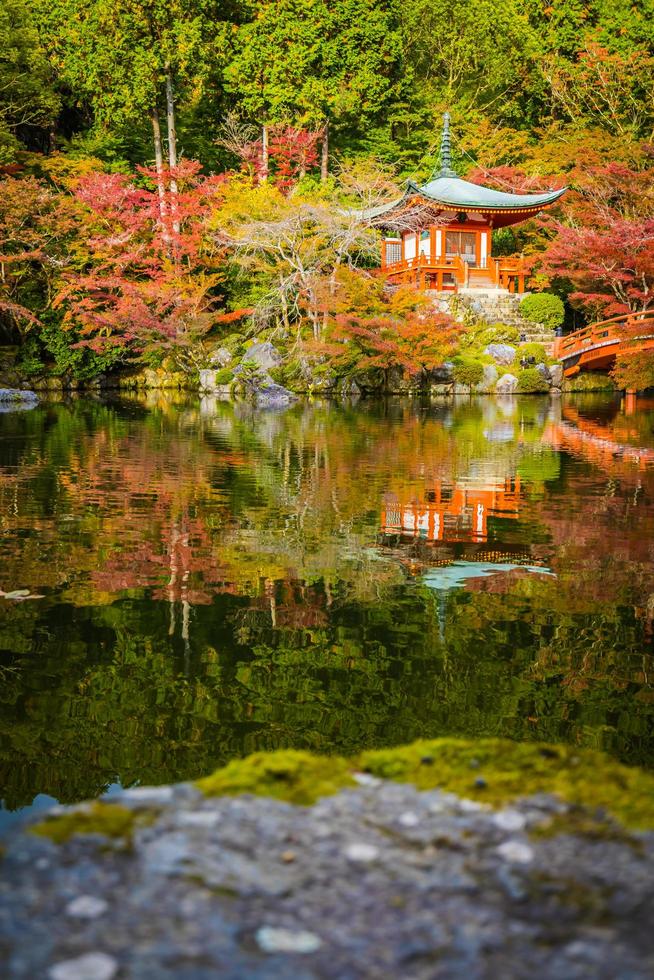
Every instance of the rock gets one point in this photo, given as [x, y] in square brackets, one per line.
[90, 966]
[443, 374]
[544, 372]
[276, 940]
[220, 358]
[489, 380]
[86, 907]
[503, 354]
[271, 395]
[264, 355]
[399, 382]
[348, 388]
[17, 395]
[515, 852]
[556, 375]
[209, 381]
[378, 879]
[17, 400]
[507, 384]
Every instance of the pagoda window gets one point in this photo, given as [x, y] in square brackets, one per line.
[393, 250]
[463, 243]
[424, 242]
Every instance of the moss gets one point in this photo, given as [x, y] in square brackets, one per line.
[297, 777]
[107, 819]
[580, 822]
[224, 376]
[497, 771]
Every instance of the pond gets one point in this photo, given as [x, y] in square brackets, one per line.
[195, 581]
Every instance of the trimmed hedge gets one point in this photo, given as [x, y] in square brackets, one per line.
[543, 308]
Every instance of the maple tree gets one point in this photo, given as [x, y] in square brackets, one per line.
[604, 244]
[150, 283]
[418, 343]
[37, 227]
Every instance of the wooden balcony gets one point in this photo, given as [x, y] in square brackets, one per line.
[453, 274]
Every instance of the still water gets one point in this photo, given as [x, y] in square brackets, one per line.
[200, 581]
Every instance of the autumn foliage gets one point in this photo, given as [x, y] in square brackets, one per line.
[603, 247]
[151, 276]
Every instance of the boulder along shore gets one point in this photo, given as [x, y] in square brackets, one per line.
[351, 871]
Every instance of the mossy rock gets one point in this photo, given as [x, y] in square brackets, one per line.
[297, 777]
[497, 771]
[531, 381]
[107, 819]
[493, 771]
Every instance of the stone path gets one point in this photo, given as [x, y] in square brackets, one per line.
[378, 881]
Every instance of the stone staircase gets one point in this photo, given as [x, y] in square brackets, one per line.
[500, 306]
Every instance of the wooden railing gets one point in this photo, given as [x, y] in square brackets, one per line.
[509, 272]
[454, 273]
[426, 273]
[623, 330]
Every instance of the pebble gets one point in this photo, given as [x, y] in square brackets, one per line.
[509, 820]
[409, 819]
[277, 940]
[87, 907]
[288, 856]
[365, 779]
[91, 966]
[362, 852]
[516, 852]
[198, 818]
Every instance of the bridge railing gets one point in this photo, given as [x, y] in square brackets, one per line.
[614, 330]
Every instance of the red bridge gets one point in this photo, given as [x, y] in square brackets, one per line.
[595, 347]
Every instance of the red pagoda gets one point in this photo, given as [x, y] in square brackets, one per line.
[448, 246]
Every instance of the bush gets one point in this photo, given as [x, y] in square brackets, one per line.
[536, 352]
[467, 371]
[224, 376]
[543, 308]
[530, 380]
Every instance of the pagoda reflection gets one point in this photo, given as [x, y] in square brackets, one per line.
[451, 512]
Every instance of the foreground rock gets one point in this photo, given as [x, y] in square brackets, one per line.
[17, 399]
[377, 880]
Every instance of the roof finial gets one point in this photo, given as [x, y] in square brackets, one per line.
[446, 161]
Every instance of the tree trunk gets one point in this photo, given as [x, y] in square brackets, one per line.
[264, 154]
[324, 152]
[172, 147]
[158, 163]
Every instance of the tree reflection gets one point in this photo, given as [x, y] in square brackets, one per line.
[217, 581]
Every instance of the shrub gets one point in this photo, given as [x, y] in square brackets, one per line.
[536, 351]
[224, 376]
[467, 371]
[530, 380]
[543, 308]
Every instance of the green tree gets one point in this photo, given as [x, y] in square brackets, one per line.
[29, 103]
[317, 64]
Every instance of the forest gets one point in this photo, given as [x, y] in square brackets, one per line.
[184, 176]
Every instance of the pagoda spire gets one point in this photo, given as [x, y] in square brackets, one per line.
[446, 160]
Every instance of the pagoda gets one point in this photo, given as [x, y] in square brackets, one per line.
[444, 232]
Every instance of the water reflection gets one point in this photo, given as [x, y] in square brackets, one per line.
[215, 581]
